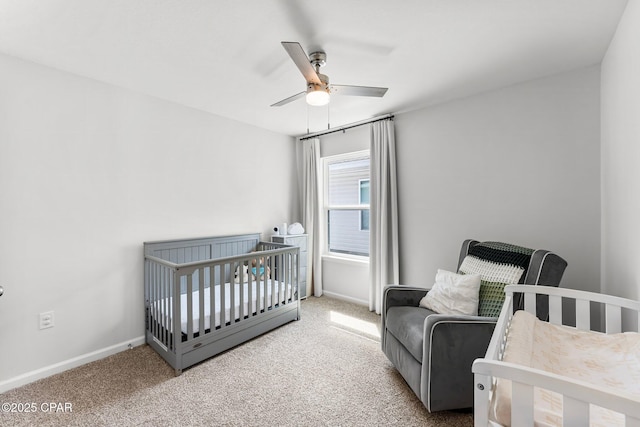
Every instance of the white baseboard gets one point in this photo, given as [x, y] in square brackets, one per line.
[345, 298]
[56, 368]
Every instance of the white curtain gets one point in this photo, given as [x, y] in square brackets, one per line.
[383, 226]
[312, 209]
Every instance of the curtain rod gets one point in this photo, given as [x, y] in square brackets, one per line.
[345, 127]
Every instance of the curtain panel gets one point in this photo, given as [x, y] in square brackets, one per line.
[383, 231]
[312, 210]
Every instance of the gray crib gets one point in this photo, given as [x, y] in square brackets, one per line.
[206, 295]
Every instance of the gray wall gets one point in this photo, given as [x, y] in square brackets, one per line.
[520, 164]
[88, 172]
[620, 157]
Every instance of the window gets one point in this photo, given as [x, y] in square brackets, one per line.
[346, 203]
[364, 200]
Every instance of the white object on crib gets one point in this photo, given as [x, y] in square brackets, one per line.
[283, 230]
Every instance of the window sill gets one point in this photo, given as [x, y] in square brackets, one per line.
[346, 259]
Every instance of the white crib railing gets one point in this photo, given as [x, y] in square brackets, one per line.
[621, 315]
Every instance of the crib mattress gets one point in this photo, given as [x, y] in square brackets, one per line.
[279, 297]
[610, 360]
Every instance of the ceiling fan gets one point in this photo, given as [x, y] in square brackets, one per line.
[318, 88]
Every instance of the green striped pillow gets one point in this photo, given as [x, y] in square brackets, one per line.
[491, 298]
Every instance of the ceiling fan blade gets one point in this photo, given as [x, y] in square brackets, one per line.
[301, 60]
[289, 99]
[358, 90]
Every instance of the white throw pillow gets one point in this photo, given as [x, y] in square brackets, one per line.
[453, 293]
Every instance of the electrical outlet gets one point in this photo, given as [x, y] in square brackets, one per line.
[46, 320]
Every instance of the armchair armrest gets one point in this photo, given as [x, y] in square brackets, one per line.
[451, 344]
[399, 295]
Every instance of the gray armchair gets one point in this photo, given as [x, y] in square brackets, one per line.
[434, 352]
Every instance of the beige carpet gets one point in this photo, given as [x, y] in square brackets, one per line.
[325, 370]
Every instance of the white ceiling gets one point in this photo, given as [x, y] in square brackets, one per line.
[225, 57]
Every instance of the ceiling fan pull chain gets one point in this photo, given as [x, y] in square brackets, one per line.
[328, 116]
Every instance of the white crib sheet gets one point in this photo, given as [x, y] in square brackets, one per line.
[610, 360]
[167, 302]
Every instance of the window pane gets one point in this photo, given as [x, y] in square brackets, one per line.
[344, 181]
[364, 200]
[364, 191]
[345, 232]
[364, 220]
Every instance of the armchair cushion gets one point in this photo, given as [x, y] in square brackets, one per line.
[406, 324]
[453, 294]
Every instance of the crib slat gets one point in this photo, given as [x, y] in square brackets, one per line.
[160, 303]
[583, 315]
[168, 309]
[574, 412]
[275, 281]
[223, 297]
[158, 317]
[242, 294]
[263, 287]
[288, 274]
[249, 292]
[254, 279]
[157, 295]
[201, 300]
[555, 309]
[212, 296]
[521, 404]
[281, 290]
[530, 303]
[232, 289]
[275, 297]
[284, 283]
[189, 306]
[295, 273]
[614, 319]
[275, 260]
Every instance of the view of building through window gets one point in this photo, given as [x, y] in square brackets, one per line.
[364, 200]
[347, 203]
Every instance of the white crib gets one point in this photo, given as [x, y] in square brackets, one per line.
[578, 398]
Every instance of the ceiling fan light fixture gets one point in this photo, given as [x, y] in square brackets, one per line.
[319, 91]
[318, 97]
